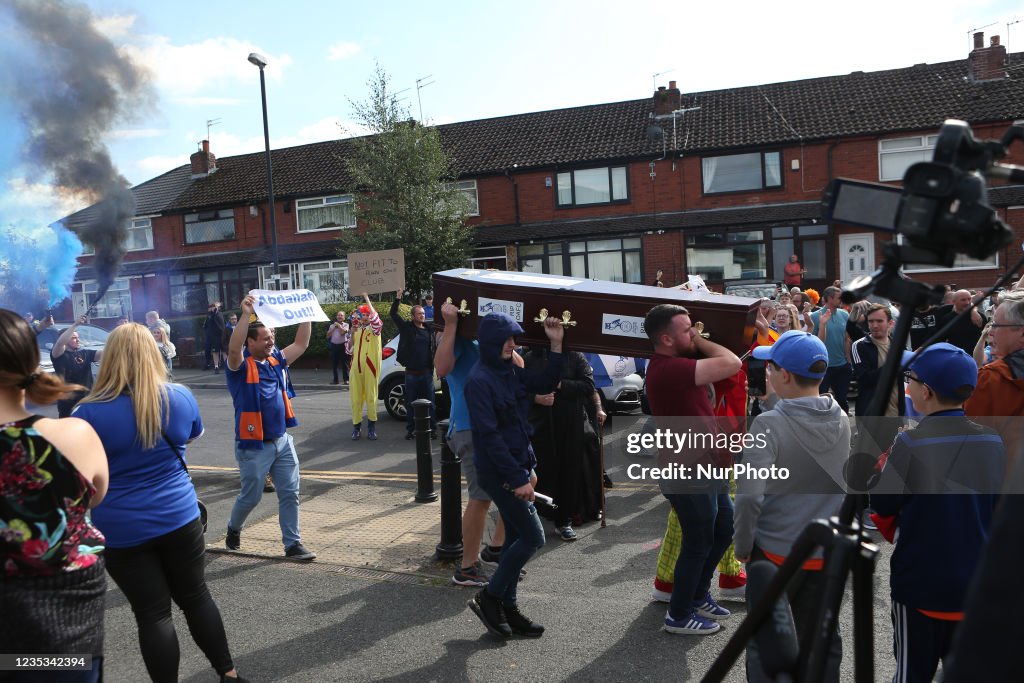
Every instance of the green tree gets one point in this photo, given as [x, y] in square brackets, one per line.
[403, 194]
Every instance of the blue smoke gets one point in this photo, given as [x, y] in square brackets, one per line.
[37, 266]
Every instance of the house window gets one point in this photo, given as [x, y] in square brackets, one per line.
[742, 172]
[192, 293]
[593, 186]
[115, 303]
[209, 226]
[614, 260]
[738, 255]
[896, 155]
[961, 263]
[467, 189]
[328, 280]
[140, 235]
[325, 213]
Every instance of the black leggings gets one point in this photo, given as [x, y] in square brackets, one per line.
[150, 575]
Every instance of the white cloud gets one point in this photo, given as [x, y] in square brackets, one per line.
[137, 133]
[158, 164]
[186, 70]
[28, 201]
[340, 51]
[114, 25]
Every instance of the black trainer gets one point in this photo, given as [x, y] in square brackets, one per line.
[233, 540]
[297, 551]
[521, 624]
[490, 611]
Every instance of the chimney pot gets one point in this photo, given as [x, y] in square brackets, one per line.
[206, 146]
[979, 40]
[671, 85]
[203, 163]
[993, 41]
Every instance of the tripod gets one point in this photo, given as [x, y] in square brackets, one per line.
[847, 549]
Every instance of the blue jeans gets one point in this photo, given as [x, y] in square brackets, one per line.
[706, 521]
[418, 386]
[524, 536]
[837, 380]
[278, 458]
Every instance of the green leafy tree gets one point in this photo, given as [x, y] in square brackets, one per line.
[404, 197]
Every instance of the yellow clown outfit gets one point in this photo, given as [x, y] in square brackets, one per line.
[365, 371]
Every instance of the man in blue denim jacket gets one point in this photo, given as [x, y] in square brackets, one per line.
[497, 396]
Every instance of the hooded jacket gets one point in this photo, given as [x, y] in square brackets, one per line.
[498, 396]
[808, 436]
[998, 401]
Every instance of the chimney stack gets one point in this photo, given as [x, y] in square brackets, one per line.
[203, 163]
[667, 101]
[986, 63]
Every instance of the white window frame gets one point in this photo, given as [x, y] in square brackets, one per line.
[117, 299]
[920, 147]
[323, 202]
[468, 189]
[333, 266]
[144, 225]
[570, 176]
[219, 215]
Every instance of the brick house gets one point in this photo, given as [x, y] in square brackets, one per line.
[726, 184]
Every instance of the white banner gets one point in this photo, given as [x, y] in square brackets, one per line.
[287, 307]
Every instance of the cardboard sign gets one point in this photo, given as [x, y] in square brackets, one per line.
[374, 272]
[287, 307]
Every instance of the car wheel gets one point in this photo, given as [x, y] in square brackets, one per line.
[393, 393]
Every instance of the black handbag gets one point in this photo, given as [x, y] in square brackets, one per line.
[202, 507]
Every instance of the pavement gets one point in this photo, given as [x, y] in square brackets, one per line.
[377, 604]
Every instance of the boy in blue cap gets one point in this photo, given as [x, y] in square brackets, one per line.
[809, 435]
[939, 538]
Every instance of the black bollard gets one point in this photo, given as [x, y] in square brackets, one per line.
[450, 546]
[425, 492]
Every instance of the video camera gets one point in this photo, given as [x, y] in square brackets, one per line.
[943, 208]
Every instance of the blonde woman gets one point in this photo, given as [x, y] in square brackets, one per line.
[51, 472]
[786, 319]
[166, 348]
[155, 545]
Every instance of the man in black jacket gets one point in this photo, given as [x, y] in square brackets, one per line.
[213, 329]
[416, 353]
[868, 355]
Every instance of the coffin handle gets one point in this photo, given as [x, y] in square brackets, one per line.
[699, 326]
[566, 322]
[463, 311]
[542, 316]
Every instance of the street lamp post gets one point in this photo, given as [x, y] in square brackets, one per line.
[260, 61]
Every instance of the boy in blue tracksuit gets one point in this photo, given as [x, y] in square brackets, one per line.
[497, 394]
[941, 483]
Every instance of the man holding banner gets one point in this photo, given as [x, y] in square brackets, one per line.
[258, 380]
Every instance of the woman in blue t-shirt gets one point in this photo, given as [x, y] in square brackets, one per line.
[150, 517]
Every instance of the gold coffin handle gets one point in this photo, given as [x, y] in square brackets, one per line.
[463, 311]
[542, 316]
[699, 326]
[565, 319]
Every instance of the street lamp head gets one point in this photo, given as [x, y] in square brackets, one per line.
[258, 59]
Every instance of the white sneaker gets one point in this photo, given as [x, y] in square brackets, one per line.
[660, 595]
[738, 594]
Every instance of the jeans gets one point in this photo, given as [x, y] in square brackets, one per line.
[339, 357]
[524, 536]
[153, 573]
[837, 380]
[277, 457]
[418, 386]
[706, 521]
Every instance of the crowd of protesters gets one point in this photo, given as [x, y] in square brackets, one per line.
[523, 421]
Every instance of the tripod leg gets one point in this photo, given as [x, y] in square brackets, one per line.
[863, 613]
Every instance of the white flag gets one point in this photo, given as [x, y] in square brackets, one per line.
[287, 307]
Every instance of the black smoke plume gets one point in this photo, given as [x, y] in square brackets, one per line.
[78, 89]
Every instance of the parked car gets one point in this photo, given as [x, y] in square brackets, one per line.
[391, 386]
[622, 387]
[92, 337]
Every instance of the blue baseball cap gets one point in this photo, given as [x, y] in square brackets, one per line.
[796, 352]
[945, 368]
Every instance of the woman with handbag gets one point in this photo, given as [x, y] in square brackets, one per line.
[52, 584]
[155, 544]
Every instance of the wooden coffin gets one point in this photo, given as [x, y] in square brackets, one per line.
[602, 317]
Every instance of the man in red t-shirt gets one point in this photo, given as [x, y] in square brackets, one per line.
[792, 272]
[682, 366]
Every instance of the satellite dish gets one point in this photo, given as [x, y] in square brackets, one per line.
[654, 133]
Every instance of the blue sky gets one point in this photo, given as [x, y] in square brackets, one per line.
[484, 59]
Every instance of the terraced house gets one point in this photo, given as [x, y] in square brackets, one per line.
[726, 184]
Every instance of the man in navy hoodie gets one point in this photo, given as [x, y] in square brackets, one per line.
[941, 483]
[497, 394]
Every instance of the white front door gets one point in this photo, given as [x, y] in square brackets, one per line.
[856, 256]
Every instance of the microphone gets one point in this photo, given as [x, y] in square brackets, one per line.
[776, 639]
